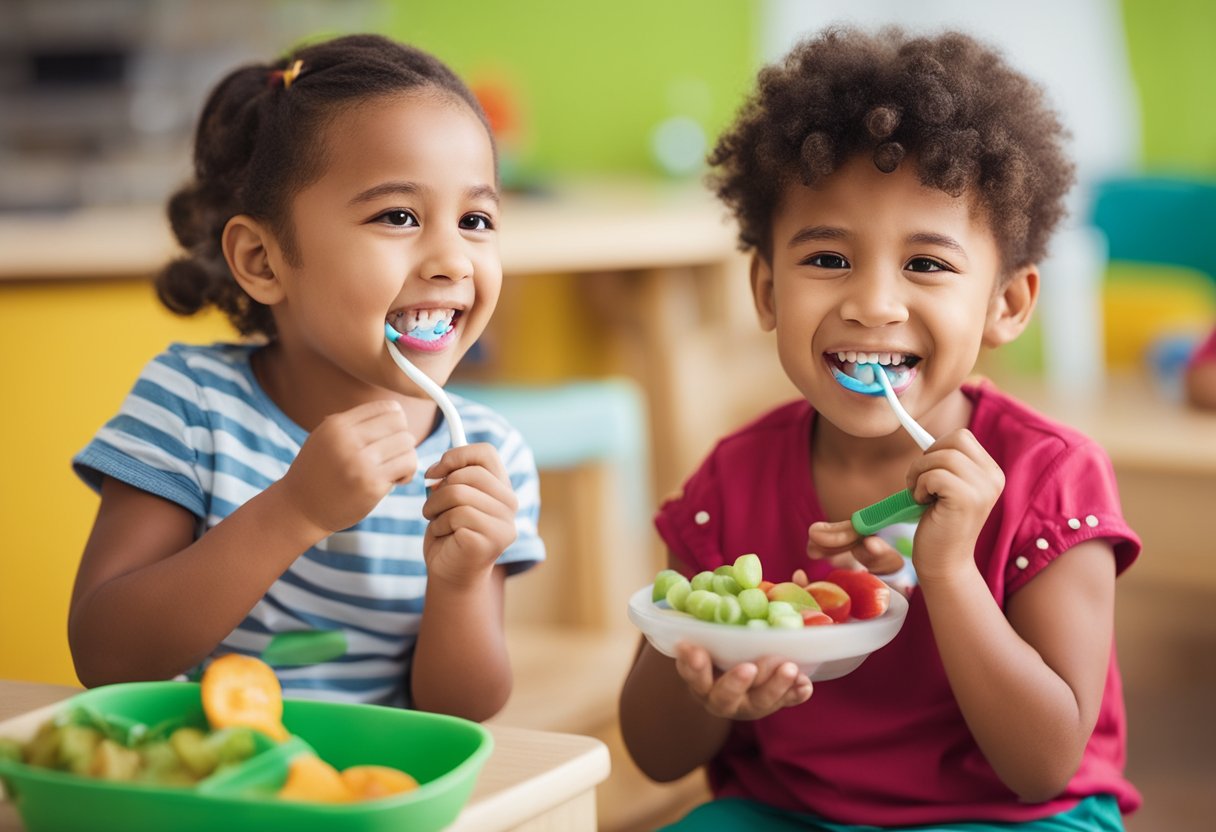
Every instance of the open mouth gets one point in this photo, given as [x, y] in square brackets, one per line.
[425, 329]
[899, 368]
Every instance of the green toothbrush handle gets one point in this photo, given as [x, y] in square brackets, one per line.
[900, 507]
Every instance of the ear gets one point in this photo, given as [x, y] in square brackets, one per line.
[249, 247]
[762, 292]
[1011, 307]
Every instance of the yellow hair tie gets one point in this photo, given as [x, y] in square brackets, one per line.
[292, 73]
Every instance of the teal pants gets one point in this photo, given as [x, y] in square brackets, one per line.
[1094, 814]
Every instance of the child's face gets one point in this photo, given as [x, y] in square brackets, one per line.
[401, 227]
[874, 263]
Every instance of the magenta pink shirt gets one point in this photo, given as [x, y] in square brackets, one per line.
[1205, 352]
[887, 745]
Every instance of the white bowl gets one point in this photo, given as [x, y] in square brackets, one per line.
[826, 651]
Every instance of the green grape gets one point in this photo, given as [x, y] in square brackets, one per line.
[725, 585]
[786, 622]
[748, 571]
[725, 569]
[779, 608]
[754, 603]
[663, 582]
[757, 624]
[728, 611]
[677, 594]
[232, 745]
[703, 580]
[703, 604]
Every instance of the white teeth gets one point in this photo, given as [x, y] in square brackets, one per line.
[885, 358]
[423, 318]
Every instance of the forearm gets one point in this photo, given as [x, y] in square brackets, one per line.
[161, 619]
[1023, 715]
[667, 731]
[460, 664]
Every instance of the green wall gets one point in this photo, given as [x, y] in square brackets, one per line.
[1173, 58]
[595, 79]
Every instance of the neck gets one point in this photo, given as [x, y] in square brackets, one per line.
[309, 391]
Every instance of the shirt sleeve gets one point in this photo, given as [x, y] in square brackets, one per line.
[528, 548]
[690, 522]
[1075, 500]
[155, 440]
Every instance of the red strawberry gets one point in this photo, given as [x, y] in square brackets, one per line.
[870, 596]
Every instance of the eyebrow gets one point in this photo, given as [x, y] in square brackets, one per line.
[831, 232]
[413, 189]
[929, 238]
[817, 232]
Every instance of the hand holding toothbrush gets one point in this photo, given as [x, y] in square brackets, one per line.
[954, 485]
[471, 506]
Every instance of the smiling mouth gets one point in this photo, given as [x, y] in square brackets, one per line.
[426, 329]
[898, 366]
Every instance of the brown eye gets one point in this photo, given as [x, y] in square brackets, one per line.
[476, 222]
[398, 218]
[826, 261]
[924, 264]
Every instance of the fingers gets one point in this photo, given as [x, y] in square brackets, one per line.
[473, 485]
[749, 690]
[480, 454]
[832, 536]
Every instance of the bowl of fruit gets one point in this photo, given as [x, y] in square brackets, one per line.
[232, 754]
[827, 627]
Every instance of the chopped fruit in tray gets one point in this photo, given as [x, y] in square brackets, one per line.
[87, 744]
[240, 695]
[243, 691]
[738, 595]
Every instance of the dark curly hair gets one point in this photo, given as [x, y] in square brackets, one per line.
[259, 142]
[967, 120]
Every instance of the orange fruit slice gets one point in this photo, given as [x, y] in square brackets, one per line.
[311, 779]
[243, 691]
[372, 782]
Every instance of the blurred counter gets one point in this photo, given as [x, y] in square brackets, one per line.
[577, 227]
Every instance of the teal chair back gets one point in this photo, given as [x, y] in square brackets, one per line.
[1159, 220]
[579, 422]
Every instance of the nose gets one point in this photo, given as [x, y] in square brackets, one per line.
[873, 299]
[445, 256]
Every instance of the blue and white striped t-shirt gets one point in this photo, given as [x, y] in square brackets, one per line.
[198, 429]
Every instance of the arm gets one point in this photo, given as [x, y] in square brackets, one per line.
[676, 713]
[150, 601]
[1030, 685]
[460, 664]
[1029, 682]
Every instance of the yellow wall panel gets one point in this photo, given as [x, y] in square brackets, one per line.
[69, 352]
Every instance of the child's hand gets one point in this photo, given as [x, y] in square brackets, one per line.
[472, 514]
[349, 463]
[964, 483]
[844, 548]
[750, 690]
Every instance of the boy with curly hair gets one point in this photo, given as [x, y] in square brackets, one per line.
[896, 193]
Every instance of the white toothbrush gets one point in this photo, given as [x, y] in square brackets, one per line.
[921, 436]
[455, 426]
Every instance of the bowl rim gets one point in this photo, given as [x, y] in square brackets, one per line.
[642, 608]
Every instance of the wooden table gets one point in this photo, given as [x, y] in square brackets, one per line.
[534, 780]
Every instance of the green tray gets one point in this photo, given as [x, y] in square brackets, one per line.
[445, 754]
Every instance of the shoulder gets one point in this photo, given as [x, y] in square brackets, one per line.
[484, 424]
[771, 434]
[1017, 435]
[765, 450]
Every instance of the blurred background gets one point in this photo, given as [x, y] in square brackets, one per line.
[624, 343]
